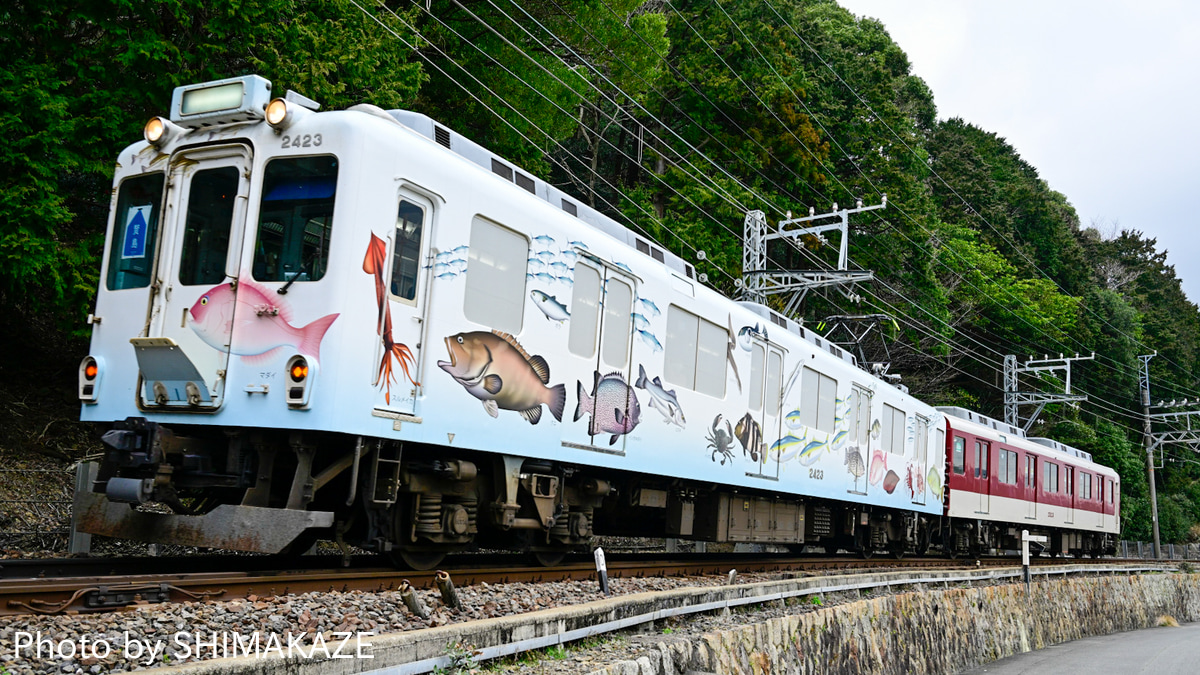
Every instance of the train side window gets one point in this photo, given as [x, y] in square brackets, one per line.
[982, 459]
[585, 310]
[406, 259]
[206, 228]
[774, 380]
[960, 451]
[618, 315]
[1008, 467]
[496, 262]
[295, 219]
[710, 359]
[1050, 476]
[695, 352]
[817, 409]
[1085, 485]
[860, 416]
[758, 356]
[893, 429]
[135, 232]
[1030, 471]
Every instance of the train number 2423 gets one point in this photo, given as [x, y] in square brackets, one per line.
[302, 141]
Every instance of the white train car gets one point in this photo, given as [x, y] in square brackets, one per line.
[359, 325]
[1001, 482]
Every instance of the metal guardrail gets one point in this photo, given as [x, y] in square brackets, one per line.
[800, 588]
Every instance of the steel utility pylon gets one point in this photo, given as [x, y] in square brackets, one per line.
[760, 282]
[1014, 398]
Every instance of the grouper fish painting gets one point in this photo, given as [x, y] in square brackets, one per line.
[256, 320]
[494, 368]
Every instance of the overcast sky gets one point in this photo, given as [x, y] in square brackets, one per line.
[1102, 97]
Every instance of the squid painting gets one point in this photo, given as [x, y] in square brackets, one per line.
[375, 263]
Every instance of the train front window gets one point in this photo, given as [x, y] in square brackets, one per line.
[135, 232]
[295, 220]
[206, 231]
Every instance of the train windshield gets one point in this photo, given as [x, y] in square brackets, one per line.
[135, 232]
[295, 219]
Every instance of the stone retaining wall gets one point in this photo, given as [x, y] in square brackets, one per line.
[931, 631]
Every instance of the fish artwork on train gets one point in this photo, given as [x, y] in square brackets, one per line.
[878, 466]
[854, 463]
[749, 434]
[890, 481]
[914, 480]
[650, 341]
[550, 306]
[612, 405]
[839, 439]
[934, 481]
[494, 368]
[787, 447]
[665, 402]
[254, 323]
[397, 357]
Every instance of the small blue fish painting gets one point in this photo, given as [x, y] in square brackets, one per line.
[546, 278]
[650, 341]
[568, 255]
[560, 268]
[839, 439]
[793, 420]
[640, 322]
[623, 266]
[442, 268]
[446, 276]
[459, 250]
[546, 256]
[808, 456]
[566, 280]
[550, 306]
[444, 255]
[786, 447]
[537, 264]
[544, 239]
[650, 307]
[459, 265]
[578, 244]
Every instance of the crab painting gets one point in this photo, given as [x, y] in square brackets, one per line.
[721, 440]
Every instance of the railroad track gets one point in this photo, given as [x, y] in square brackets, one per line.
[51, 588]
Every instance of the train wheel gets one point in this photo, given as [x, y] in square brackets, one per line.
[866, 552]
[416, 559]
[897, 550]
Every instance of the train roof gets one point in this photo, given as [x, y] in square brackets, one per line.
[477, 154]
[472, 151]
[1016, 432]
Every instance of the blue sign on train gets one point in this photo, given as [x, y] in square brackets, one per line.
[136, 232]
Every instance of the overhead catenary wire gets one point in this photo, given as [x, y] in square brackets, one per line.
[548, 136]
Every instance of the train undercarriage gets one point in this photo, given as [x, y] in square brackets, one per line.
[280, 491]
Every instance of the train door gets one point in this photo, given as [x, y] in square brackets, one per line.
[602, 326]
[184, 351]
[1031, 491]
[405, 276]
[920, 457]
[766, 392]
[982, 479]
[859, 430]
[1070, 489]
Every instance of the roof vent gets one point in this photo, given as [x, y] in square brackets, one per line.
[442, 136]
[500, 169]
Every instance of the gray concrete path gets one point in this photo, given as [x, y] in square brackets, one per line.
[1160, 651]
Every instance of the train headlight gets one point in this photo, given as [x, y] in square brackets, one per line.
[300, 376]
[279, 113]
[159, 130]
[89, 379]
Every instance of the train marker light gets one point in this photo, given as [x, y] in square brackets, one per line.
[300, 378]
[89, 375]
